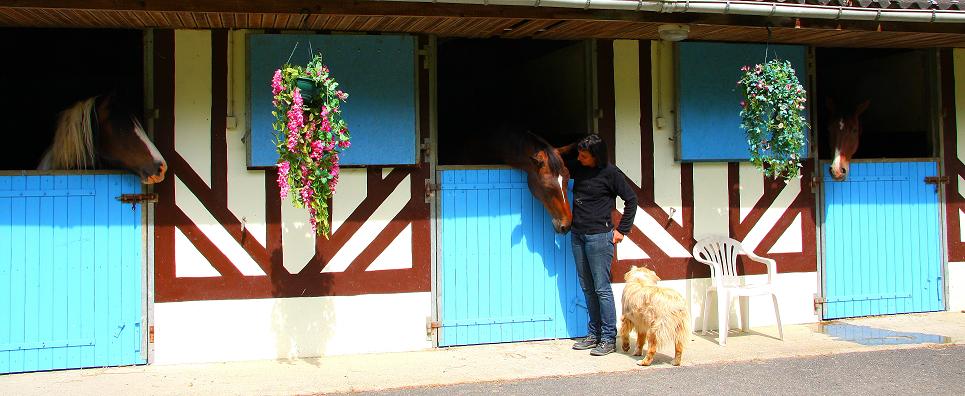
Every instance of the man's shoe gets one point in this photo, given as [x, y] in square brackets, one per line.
[586, 343]
[604, 348]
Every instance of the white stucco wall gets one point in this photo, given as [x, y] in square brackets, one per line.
[289, 328]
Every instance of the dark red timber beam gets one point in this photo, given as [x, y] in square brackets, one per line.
[164, 210]
[954, 202]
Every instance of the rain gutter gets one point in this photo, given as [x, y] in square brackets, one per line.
[736, 7]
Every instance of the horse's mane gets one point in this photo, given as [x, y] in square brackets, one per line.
[522, 140]
[73, 145]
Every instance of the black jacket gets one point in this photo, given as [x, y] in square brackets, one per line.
[594, 198]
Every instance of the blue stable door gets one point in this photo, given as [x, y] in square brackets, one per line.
[505, 274]
[882, 241]
[70, 272]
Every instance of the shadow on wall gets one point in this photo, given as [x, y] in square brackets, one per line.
[556, 254]
[303, 327]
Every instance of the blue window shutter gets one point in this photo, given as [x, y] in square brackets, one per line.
[709, 98]
[378, 73]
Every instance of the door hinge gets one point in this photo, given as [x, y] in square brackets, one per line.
[818, 303]
[426, 149]
[431, 189]
[936, 179]
[431, 326]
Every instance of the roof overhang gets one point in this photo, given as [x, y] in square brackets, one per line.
[788, 22]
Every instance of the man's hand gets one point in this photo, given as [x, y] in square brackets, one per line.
[617, 237]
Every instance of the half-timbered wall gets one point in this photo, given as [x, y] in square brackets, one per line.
[953, 106]
[681, 203]
[238, 272]
[239, 276]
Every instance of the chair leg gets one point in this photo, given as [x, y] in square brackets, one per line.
[743, 313]
[777, 315]
[703, 328]
[723, 313]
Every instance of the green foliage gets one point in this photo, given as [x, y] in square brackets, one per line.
[772, 115]
[309, 133]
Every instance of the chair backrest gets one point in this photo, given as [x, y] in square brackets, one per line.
[720, 253]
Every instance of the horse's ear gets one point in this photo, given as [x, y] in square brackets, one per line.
[861, 108]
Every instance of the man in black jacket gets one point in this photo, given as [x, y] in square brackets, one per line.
[596, 184]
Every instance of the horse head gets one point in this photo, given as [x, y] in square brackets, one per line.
[845, 133]
[546, 174]
[548, 179]
[94, 133]
[121, 142]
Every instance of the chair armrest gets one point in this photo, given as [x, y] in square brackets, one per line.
[770, 263]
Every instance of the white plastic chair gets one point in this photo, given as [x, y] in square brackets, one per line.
[720, 253]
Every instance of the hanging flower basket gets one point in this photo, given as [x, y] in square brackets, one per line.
[772, 116]
[310, 133]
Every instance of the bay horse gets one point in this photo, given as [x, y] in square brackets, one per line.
[845, 134]
[546, 175]
[95, 134]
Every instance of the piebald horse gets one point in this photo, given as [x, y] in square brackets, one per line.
[94, 134]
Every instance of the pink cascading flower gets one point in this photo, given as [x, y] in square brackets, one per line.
[345, 144]
[296, 117]
[326, 125]
[283, 186]
[318, 148]
[292, 141]
[324, 111]
[312, 214]
[307, 193]
[276, 86]
[341, 95]
[333, 171]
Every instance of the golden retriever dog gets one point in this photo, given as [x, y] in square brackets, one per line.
[658, 314]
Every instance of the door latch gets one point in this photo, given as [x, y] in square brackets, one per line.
[134, 199]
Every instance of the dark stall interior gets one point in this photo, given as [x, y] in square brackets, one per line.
[484, 84]
[899, 83]
[46, 70]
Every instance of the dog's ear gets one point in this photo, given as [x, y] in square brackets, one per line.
[633, 267]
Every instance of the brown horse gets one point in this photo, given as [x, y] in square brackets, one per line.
[845, 133]
[93, 134]
[546, 174]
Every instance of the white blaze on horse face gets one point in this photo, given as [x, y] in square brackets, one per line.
[155, 154]
[559, 179]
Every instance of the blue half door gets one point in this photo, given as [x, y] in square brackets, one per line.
[70, 272]
[505, 275]
[882, 241]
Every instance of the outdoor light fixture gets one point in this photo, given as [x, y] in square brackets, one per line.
[673, 32]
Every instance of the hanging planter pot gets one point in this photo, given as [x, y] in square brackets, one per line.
[308, 90]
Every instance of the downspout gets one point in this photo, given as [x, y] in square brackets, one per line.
[736, 7]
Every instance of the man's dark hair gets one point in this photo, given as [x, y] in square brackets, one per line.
[596, 147]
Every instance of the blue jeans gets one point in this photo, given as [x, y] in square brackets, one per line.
[594, 254]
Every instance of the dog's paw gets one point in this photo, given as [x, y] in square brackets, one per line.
[645, 362]
[639, 352]
[626, 346]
